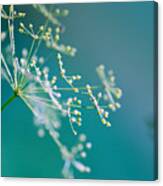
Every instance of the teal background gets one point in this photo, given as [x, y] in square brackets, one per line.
[120, 36]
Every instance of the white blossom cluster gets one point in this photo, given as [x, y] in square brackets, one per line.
[111, 92]
[30, 79]
[101, 112]
[69, 79]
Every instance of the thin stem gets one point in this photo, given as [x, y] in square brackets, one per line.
[80, 88]
[89, 107]
[7, 68]
[8, 102]
[31, 49]
[39, 90]
[40, 41]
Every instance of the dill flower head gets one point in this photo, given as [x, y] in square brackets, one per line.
[29, 79]
[35, 84]
[111, 91]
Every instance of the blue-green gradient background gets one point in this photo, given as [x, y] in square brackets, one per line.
[120, 36]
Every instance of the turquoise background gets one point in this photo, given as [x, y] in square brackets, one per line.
[120, 36]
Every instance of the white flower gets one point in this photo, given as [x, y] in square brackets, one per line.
[89, 145]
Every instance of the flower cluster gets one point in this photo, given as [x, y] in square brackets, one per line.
[75, 155]
[69, 79]
[51, 16]
[54, 43]
[32, 81]
[101, 112]
[41, 34]
[111, 92]
[73, 113]
[12, 14]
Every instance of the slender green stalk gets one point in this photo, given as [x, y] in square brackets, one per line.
[80, 88]
[31, 49]
[8, 102]
[89, 107]
[38, 90]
